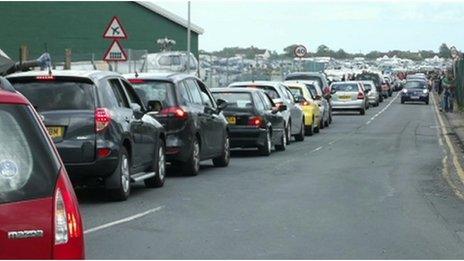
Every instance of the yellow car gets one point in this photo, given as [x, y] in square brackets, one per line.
[312, 115]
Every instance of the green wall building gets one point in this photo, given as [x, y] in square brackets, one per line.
[80, 27]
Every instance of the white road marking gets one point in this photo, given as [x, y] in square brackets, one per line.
[316, 149]
[383, 110]
[124, 220]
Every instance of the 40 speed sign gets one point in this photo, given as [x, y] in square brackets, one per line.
[300, 51]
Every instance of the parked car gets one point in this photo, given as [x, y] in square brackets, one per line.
[196, 128]
[308, 104]
[321, 82]
[415, 90]
[389, 84]
[254, 119]
[39, 212]
[372, 94]
[349, 96]
[100, 128]
[375, 77]
[281, 95]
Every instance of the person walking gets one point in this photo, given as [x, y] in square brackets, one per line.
[449, 90]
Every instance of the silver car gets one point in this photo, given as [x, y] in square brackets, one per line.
[349, 96]
[373, 95]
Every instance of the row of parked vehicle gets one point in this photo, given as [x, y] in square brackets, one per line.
[106, 130]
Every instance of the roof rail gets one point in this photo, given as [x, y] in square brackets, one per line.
[6, 85]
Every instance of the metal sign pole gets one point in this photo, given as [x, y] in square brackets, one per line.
[188, 38]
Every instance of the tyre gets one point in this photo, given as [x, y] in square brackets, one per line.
[321, 124]
[301, 135]
[224, 159]
[380, 99]
[122, 172]
[192, 166]
[326, 123]
[377, 104]
[330, 118]
[402, 101]
[362, 111]
[159, 167]
[266, 150]
[288, 132]
[309, 131]
[316, 129]
[283, 143]
[427, 102]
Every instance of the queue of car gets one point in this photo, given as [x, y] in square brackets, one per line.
[95, 129]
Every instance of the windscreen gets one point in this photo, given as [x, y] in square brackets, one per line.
[57, 95]
[155, 91]
[348, 87]
[269, 90]
[415, 85]
[235, 100]
[28, 168]
[296, 91]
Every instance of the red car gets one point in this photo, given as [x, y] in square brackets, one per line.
[39, 212]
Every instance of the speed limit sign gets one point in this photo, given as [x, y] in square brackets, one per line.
[300, 51]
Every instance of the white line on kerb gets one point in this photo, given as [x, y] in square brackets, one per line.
[124, 220]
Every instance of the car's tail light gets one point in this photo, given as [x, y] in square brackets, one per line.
[68, 229]
[176, 112]
[103, 152]
[102, 119]
[256, 121]
[45, 78]
[360, 95]
[136, 80]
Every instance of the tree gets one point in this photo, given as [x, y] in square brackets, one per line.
[444, 51]
[323, 50]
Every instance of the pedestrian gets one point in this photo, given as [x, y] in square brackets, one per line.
[449, 89]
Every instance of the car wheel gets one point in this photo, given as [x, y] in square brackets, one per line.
[192, 166]
[301, 135]
[224, 159]
[402, 101]
[321, 124]
[362, 111]
[267, 148]
[326, 123]
[330, 118]
[288, 133]
[310, 130]
[283, 143]
[427, 102]
[159, 167]
[122, 192]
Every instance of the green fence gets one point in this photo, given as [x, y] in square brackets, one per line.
[459, 73]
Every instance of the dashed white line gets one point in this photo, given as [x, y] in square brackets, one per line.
[382, 111]
[124, 220]
[316, 149]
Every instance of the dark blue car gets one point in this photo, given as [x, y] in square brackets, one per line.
[415, 91]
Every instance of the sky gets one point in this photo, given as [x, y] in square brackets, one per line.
[355, 26]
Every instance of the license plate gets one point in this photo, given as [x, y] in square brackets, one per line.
[231, 120]
[415, 97]
[346, 97]
[55, 132]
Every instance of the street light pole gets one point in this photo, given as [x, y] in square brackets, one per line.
[188, 39]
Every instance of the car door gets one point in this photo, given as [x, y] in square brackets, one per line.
[196, 106]
[295, 111]
[276, 119]
[146, 133]
[124, 118]
[216, 132]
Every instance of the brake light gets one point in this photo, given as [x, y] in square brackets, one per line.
[176, 112]
[102, 119]
[45, 78]
[136, 80]
[360, 96]
[103, 152]
[68, 229]
[256, 121]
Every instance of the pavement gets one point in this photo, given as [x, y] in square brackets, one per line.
[368, 187]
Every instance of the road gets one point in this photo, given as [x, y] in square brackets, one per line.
[367, 187]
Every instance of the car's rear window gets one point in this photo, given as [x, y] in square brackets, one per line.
[240, 100]
[296, 91]
[346, 87]
[28, 168]
[269, 90]
[155, 90]
[57, 95]
[415, 85]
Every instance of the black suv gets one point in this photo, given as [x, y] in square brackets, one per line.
[99, 126]
[195, 127]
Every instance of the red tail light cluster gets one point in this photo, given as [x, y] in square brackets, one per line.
[136, 80]
[176, 112]
[102, 119]
[68, 229]
[256, 121]
[360, 96]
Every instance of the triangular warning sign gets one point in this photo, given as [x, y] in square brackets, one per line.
[114, 30]
[115, 52]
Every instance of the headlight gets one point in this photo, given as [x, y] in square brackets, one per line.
[405, 90]
[425, 91]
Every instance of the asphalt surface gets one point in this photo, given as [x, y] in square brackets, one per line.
[366, 187]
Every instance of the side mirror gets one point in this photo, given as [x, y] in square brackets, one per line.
[318, 97]
[137, 109]
[154, 106]
[282, 107]
[300, 99]
[221, 104]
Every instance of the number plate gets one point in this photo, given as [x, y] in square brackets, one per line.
[55, 132]
[346, 97]
[231, 120]
[415, 97]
